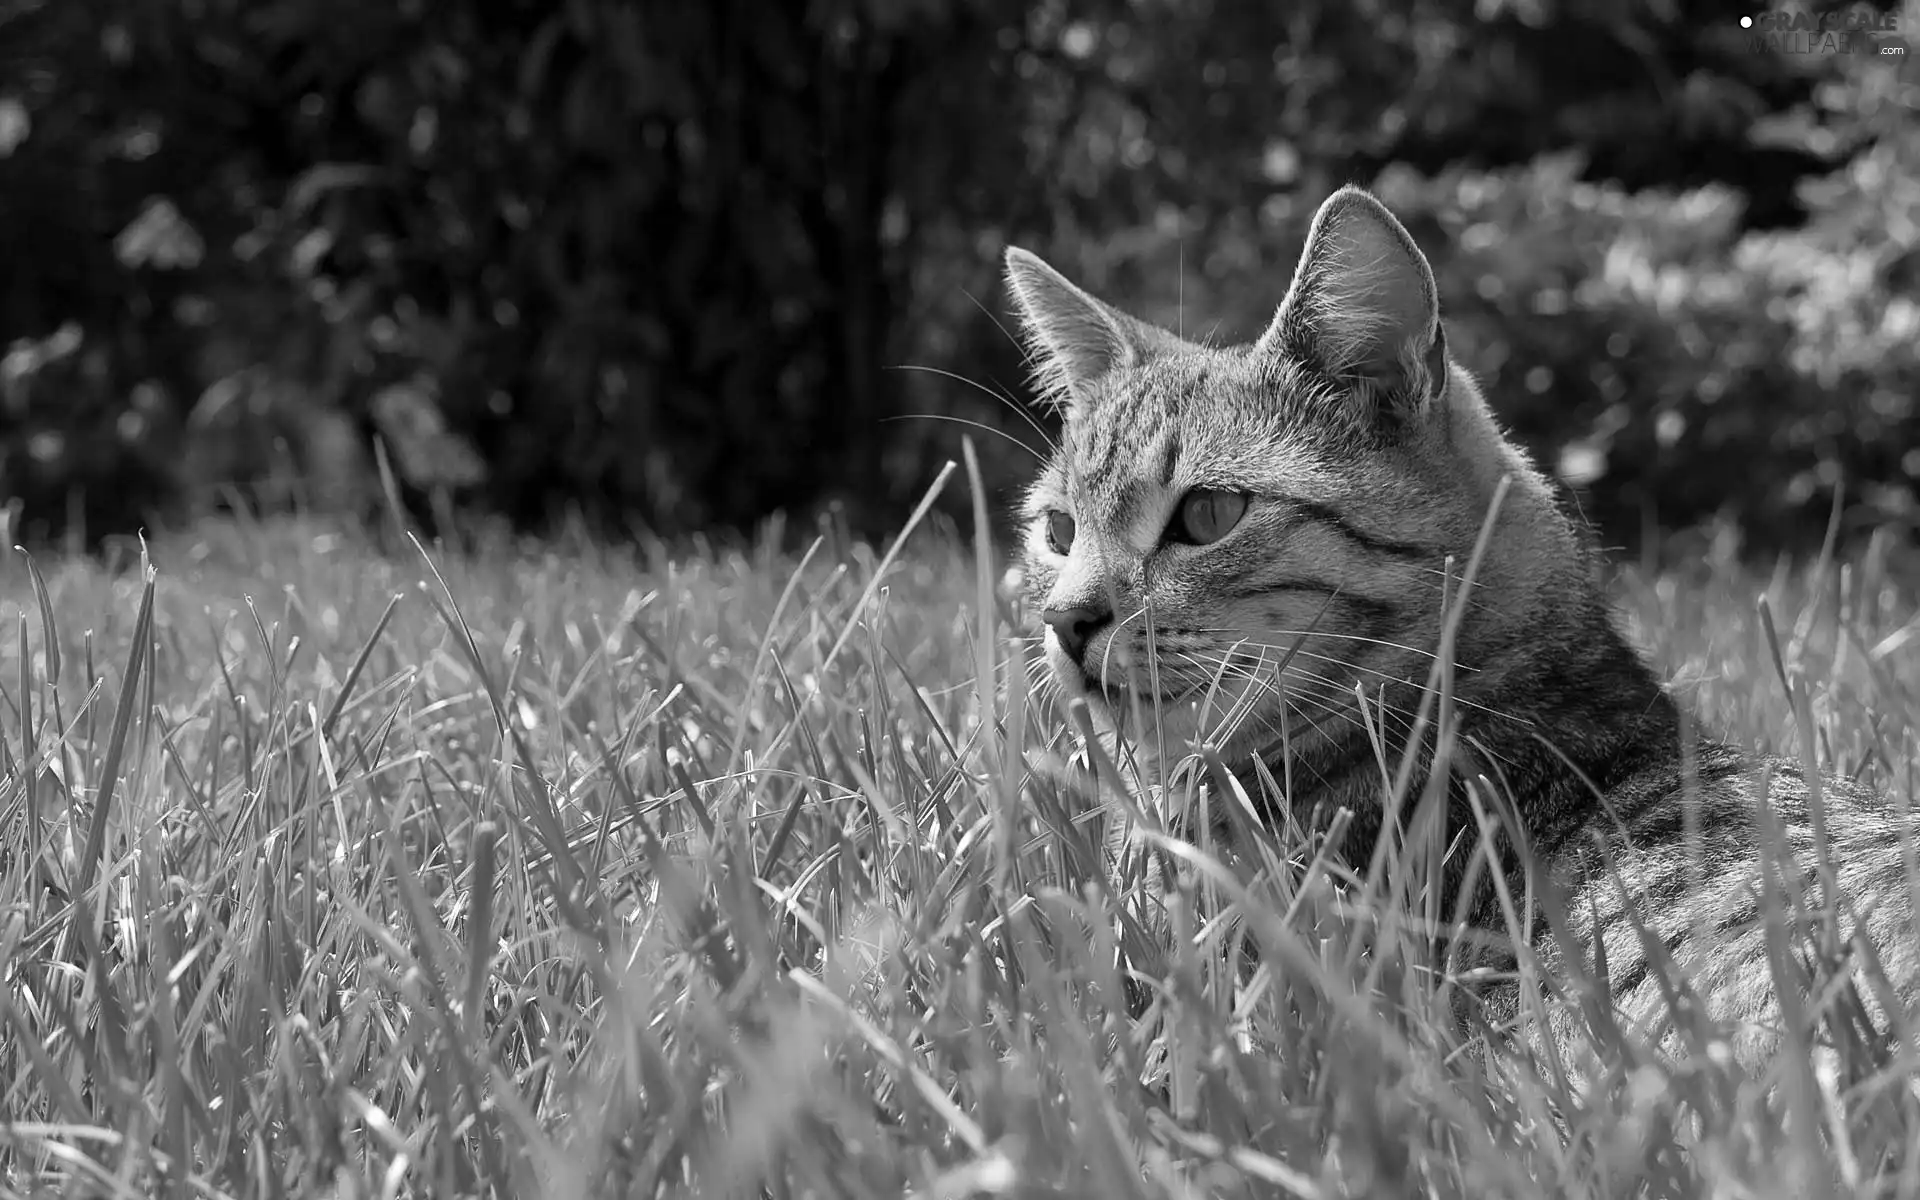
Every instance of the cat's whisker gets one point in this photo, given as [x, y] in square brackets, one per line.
[995, 318]
[1450, 580]
[1291, 710]
[1000, 397]
[1293, 649]
[971, 424]
[1333, 706]
[1331, 634]
[1265, 686]
[1337, 685]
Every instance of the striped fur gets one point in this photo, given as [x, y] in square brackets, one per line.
[1369, 461]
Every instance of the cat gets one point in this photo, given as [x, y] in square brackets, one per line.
[1232, 540]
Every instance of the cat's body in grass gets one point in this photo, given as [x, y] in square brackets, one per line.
[1237, 541]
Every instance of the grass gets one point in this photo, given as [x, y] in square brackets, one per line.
[329, 867]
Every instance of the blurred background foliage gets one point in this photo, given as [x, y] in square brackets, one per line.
[680, 264]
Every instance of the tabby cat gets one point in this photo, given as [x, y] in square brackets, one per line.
[1231, 540]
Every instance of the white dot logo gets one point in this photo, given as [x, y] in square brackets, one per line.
[1746, 22]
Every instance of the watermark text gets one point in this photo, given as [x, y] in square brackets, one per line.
[1852, 32]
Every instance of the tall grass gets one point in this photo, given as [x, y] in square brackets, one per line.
[330, 866]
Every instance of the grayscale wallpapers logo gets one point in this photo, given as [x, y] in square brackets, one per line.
[1825, 33]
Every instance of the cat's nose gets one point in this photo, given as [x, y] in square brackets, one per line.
[1075, 626]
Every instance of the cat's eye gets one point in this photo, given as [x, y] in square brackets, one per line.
[1206, 515]
[1059, 532]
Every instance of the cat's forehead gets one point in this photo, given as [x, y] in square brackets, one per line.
[1204, 388]
[1176, 385]
[1199, 406]
[1208, 419]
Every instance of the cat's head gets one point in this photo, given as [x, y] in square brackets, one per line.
[1213, 515]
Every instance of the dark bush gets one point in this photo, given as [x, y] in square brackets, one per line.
[655, 262]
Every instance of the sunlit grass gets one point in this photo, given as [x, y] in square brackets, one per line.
[329, 867]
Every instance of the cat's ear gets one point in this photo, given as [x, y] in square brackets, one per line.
[1075, 339]
[1363, 309]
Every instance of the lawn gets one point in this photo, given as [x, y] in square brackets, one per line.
[333, 866]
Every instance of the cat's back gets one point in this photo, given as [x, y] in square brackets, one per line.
[1744, 876]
